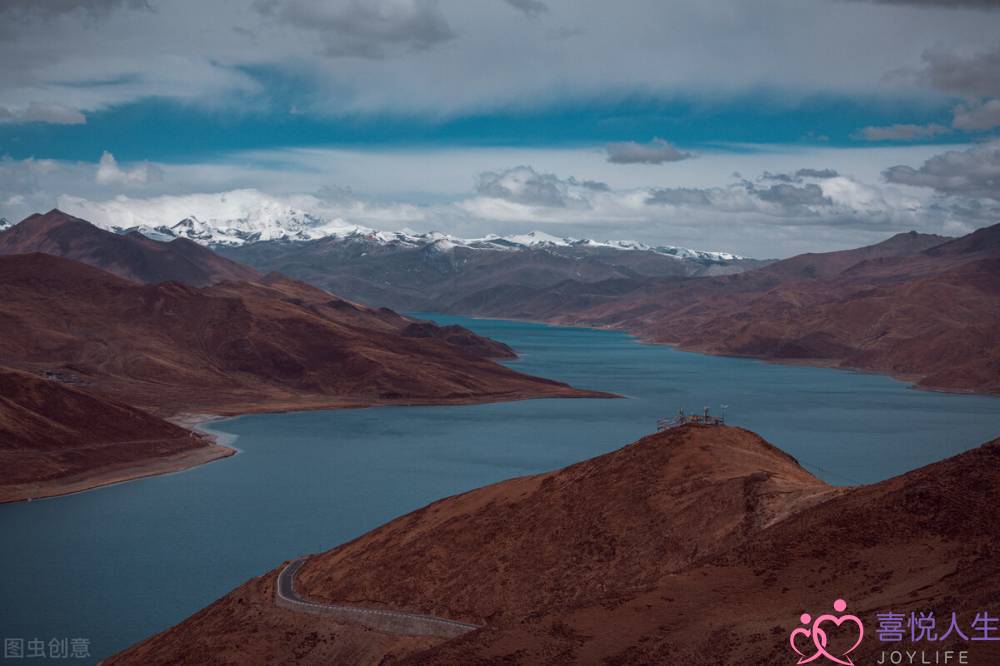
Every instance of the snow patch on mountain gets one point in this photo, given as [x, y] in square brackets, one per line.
[260, 225]
[241, 217]
[537, 239]
[301, 226]
[273, 222]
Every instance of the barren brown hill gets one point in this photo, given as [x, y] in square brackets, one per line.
[237, 347]
[829, 264]
[925, 542]
[919, 307]
[56, 437]
[581, 533]
[131, 256]
[695, 546]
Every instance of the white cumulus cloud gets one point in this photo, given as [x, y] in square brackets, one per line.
[109, 173]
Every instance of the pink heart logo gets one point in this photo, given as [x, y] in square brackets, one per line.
[821, 636]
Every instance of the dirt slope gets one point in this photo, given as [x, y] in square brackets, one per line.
[598, 532]
[697, 546]
[56, 436]
[922, 542]
[237, 347]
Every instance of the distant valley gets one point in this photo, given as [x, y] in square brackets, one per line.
[134, 326]
[921, 307]
[430, 271]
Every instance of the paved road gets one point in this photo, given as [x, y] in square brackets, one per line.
[389, 621]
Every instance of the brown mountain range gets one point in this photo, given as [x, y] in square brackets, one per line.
[74, 338]
[131, 256]
[919, 307]
[237, 346]
[698, 545]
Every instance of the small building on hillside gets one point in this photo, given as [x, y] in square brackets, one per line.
[682, 418]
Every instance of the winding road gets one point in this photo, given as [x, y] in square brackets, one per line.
[388, 621]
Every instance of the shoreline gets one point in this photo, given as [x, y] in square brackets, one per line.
[318, 403]
[220, 445]
[80, 483]
[911, 379]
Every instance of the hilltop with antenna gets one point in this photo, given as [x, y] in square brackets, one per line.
[683, 418]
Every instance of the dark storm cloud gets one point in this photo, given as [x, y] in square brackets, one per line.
[372, 29]
[780, 177]
[979, 116]
[976, 211]
[972, 76]
[974, 172]
[593, 185]
[531, 8]
[817, 173]
[197, 52]
[789, 195]
[975, 77]
[679, 196]
[793, 199]
[524, 185]
[656, 151]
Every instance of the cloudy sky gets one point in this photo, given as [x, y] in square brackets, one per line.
[764, 128]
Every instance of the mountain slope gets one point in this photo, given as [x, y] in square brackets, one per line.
[56, 437]
[829, 264]
[431, 272]
[697, 545]
[131, 256]
[918, 307]
[238, 346]
[922, 542]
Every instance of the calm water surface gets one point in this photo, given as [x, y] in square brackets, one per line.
[120, 563]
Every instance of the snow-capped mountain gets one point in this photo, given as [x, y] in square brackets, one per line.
[292, 225]
[4, 224]
[536, 239]
[413, 271]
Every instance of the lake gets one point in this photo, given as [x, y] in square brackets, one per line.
[117, 564]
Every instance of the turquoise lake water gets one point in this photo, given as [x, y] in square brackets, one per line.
[117, 564]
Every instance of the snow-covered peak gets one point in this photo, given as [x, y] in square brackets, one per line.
[262, 224]
[443, 245]
[616, 244]
[4, 224]
[276, 223]
[703, 255]
[538, 238]
[241, 217]
[542, 239]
